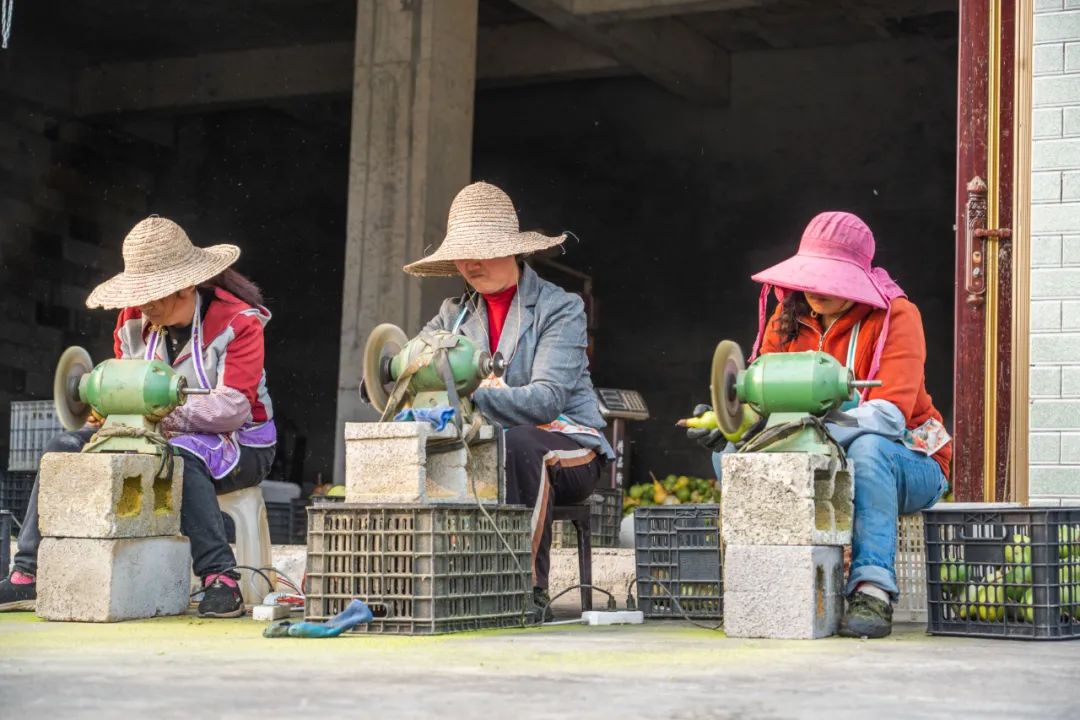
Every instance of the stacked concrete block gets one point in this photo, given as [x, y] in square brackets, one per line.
[402, 462]
[785, 520]
[111, 547]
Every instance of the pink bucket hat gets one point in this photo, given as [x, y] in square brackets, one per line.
[834, 259]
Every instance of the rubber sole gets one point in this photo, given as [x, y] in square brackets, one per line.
[18, 605]
[231, 614]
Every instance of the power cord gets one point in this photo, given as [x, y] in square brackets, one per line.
[611, 604]
[631, 605]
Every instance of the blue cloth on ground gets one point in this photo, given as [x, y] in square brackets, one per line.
[357, 613]
[438, 416]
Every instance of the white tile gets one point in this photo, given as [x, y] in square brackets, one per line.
[1063, 219]
[1055, 283]
[1046, 316]
[1070, 250]
[1058, 26]
[1048, 59]
[1048, 6]
[1055, 414]
[1070, 447]
[1045, 381]
[1046, 251]
[1046, 186]
[1070, 381]
[1061, 480]
[1070, 186]
[1072, 57]
[1055, 348]
[1046, 123]
[1044, 448]
[1070, 315]
[1056, 154]
[1071, 121]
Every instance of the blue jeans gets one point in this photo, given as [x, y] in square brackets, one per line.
[890, 480]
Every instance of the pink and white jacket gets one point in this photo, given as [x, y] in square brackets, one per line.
[229, 362]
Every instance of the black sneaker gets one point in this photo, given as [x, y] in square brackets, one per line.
[17, 596]
[866, 616]
[221, 596]
[542, 603]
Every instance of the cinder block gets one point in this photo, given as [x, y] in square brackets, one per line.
[783, 591]
[786, 499]
[399, 463]
[108, 495]
[86, 580]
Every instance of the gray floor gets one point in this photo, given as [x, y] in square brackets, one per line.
[185, 667]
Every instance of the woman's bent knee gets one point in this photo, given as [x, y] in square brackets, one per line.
[65, 442]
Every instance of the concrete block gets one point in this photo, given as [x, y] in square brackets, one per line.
[108, 495]
[1070, 244]
[96, 580]
[1046, 123]
[1070, 448]
[1057, 27]
[790, 592]
[1070, 381]
[1045, 187]
[1055, 414]
[1048, 59]
[1045, 315]
[1046, 249]
[1045, 381]
[1054, 348]
[392, 463]
[1070, 121]
[1044, 448]
[1055, 282]
[786, 499]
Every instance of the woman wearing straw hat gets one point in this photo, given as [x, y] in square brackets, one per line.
[832, 299]
[184, 305]
[545, 399]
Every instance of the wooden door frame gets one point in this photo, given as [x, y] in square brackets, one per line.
[991, 333]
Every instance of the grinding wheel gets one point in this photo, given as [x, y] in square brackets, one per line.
[71, 411]
[384, 342]
[726, 365]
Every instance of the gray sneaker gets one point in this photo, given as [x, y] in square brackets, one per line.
[867, 617]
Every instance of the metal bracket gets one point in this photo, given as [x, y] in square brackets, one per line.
[976, 236]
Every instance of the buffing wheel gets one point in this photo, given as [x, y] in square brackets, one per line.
[71, 411]
[384, 342]
[726, 365]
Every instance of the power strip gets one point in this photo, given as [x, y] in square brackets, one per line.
[613, 617]
[269, 613]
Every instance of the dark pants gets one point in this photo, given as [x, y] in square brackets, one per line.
[200, 515]
[545, 469]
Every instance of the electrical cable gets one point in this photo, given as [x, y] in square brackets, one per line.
[611, 605]
[663, 586]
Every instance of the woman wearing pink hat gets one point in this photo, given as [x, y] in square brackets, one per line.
[832, 299]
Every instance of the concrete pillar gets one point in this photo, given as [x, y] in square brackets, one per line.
[411, 149]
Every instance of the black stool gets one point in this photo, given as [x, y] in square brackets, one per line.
[579, 516]
[5, 541]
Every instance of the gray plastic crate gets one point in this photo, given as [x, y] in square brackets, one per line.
[677, 558]
[33, 424]
[423, 570]
[604, 518]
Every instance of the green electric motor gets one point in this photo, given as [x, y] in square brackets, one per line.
[433, 369]
[131, 395]
[787, 388]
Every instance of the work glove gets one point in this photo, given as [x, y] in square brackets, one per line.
[711, 439]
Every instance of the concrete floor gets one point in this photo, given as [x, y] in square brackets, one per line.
[186, 667]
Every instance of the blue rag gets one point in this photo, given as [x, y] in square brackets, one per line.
[437, 416]
[357, 613]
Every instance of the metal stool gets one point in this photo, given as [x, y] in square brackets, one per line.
[579, 516]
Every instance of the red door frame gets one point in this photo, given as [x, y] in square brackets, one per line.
[981, 392]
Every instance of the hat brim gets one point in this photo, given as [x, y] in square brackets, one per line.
[441, 262]
[127, 290]
[824, 276]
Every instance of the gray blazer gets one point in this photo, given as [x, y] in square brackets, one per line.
[544, 342]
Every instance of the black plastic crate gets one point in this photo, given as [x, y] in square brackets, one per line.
[604, 516]
[677, 555]
[1003, 572]
[423, 570]
[15, 490]
[288, 522]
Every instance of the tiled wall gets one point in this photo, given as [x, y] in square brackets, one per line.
[1055, 252]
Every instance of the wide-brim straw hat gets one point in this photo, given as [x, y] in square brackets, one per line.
[159, 260]
[482, 225]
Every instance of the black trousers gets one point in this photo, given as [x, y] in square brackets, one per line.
[545, 469]
[200, 514]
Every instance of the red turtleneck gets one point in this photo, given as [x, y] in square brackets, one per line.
[498, 306]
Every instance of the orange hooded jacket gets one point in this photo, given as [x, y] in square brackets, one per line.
[903, 359]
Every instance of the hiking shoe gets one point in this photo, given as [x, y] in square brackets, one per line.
[867, 617]
[221, 596]
[16, 593]
[542, 601]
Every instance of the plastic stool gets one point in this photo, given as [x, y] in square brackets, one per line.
[248, 513]
[579, 515]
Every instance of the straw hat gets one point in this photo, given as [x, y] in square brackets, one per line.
[159, 259]
[482, 225]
